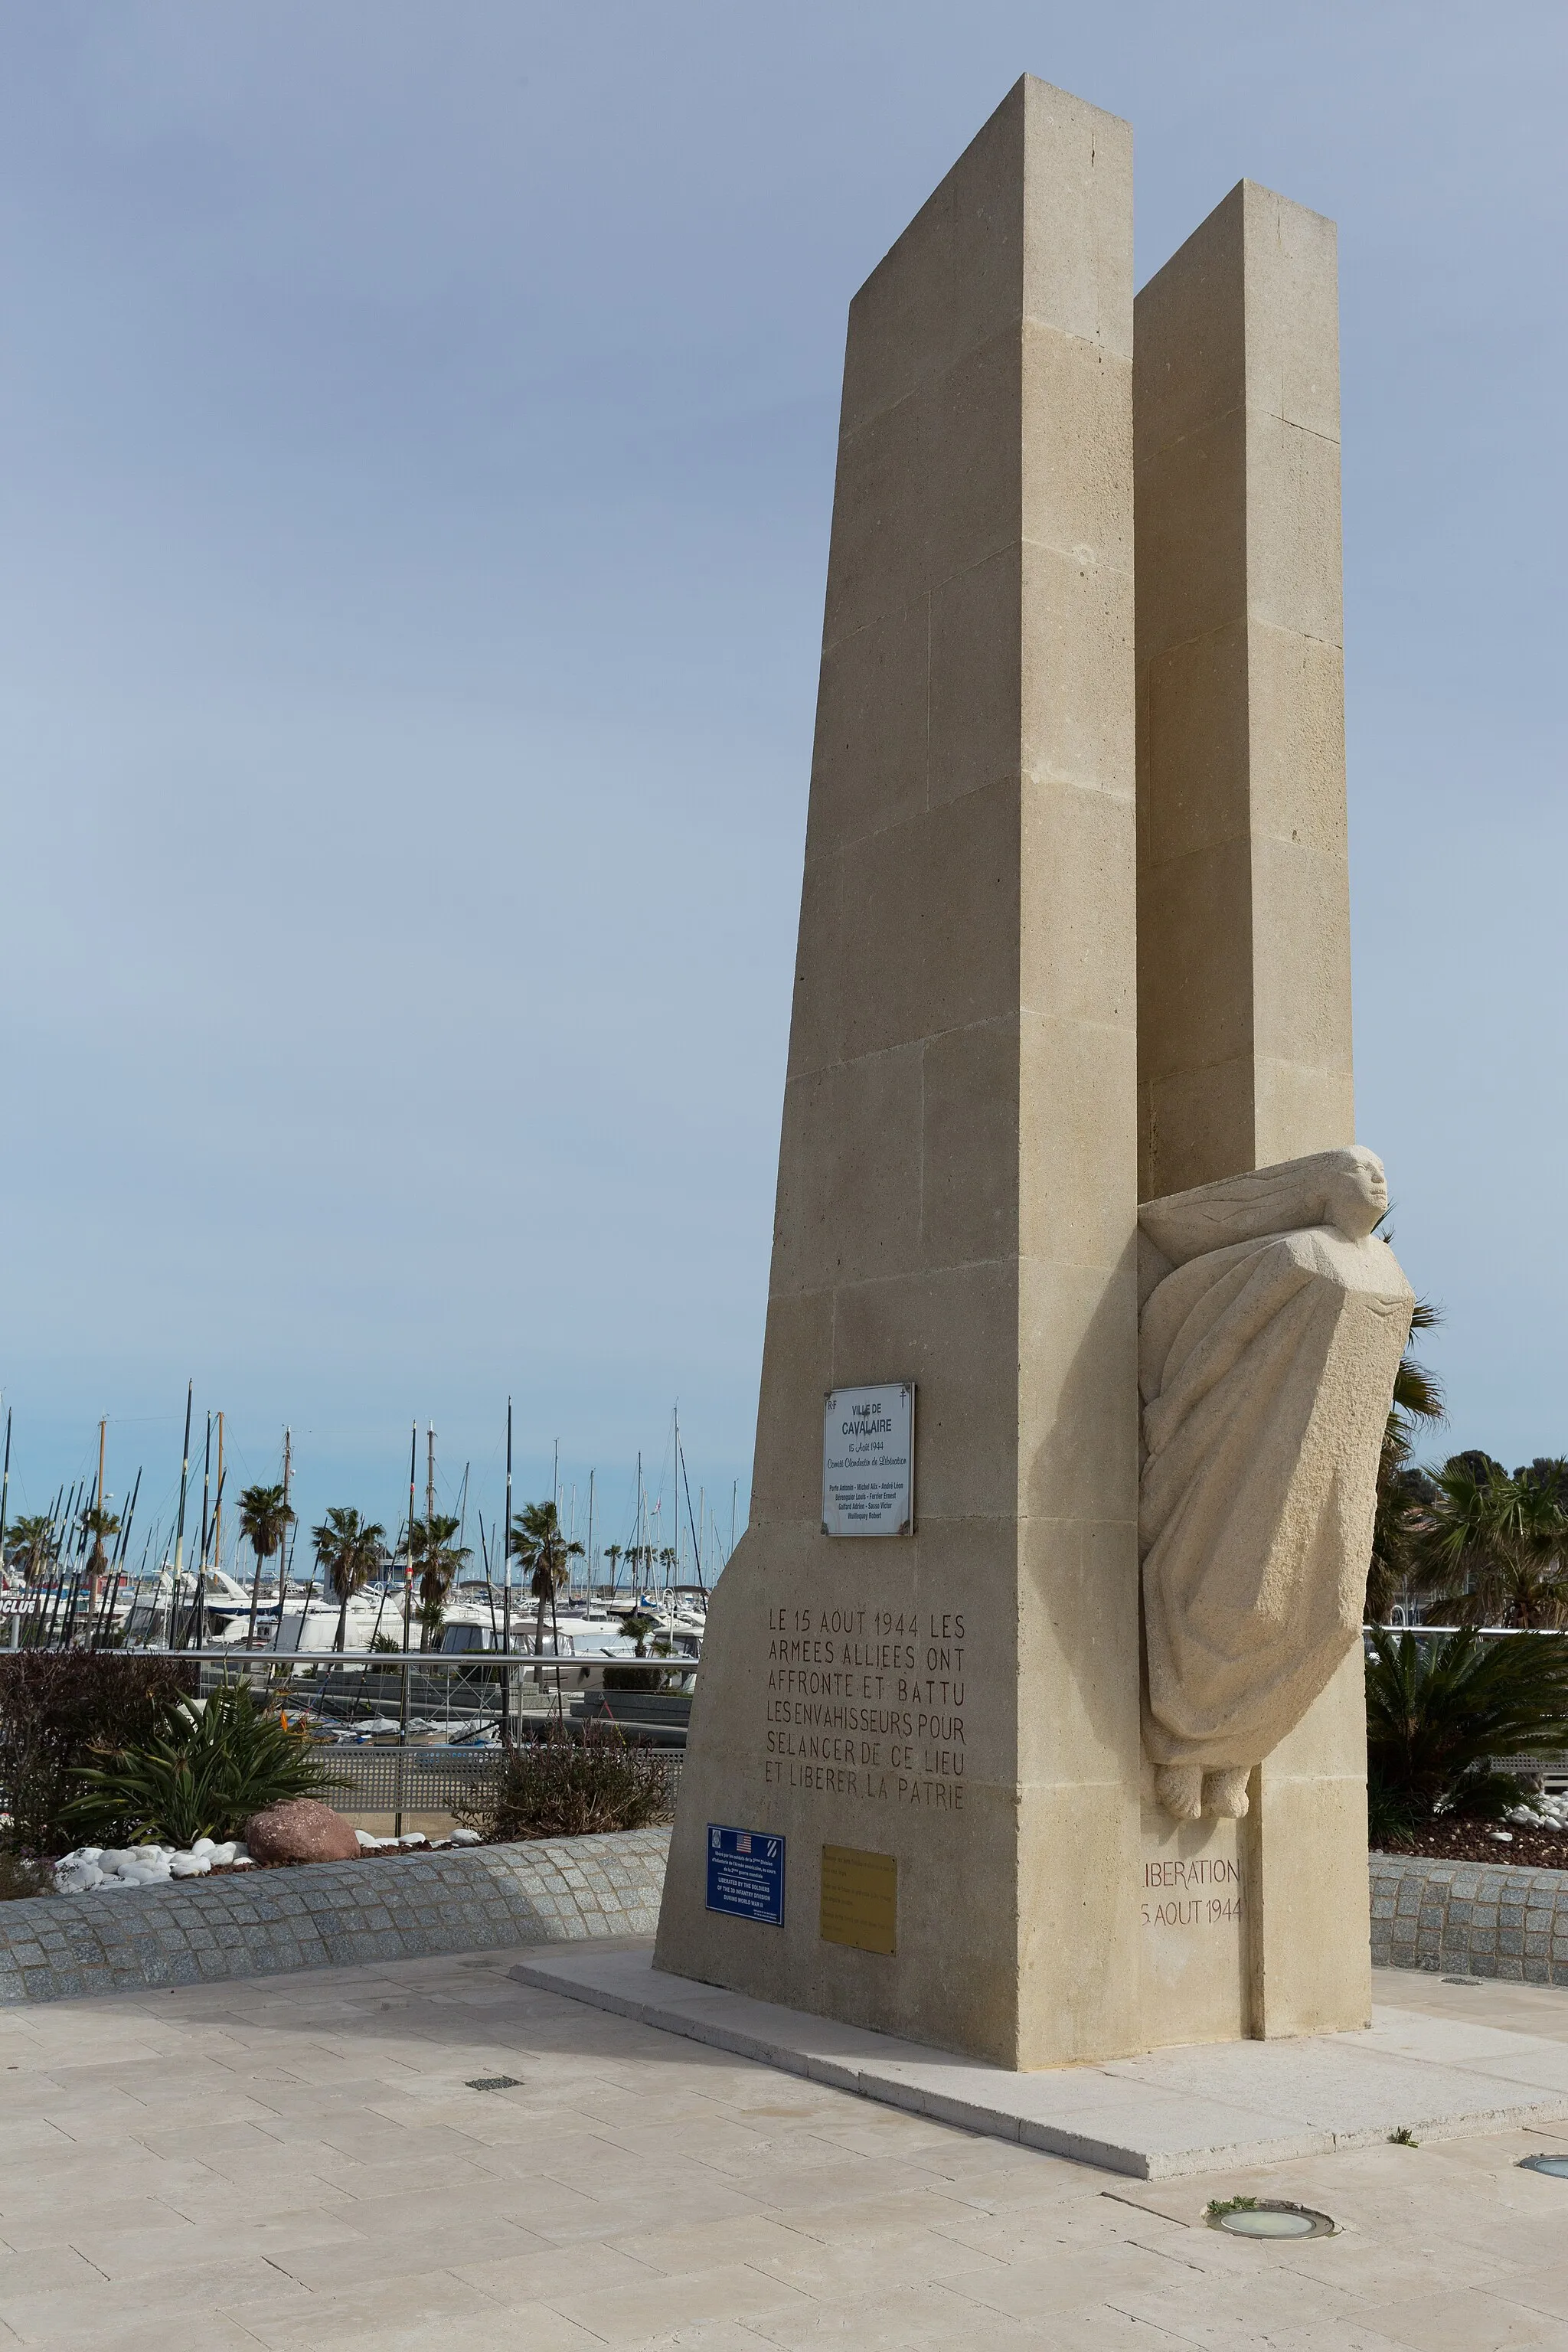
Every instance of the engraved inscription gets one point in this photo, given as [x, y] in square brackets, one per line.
[1198, 1893]
[869, 1704]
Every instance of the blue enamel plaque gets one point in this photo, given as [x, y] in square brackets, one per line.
[746, 1874]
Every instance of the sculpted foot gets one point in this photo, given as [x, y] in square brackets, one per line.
[1225, 1793]
[1180, 1789]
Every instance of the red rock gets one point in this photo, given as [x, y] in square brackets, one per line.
[303, 1830]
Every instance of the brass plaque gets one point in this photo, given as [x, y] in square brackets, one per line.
[859, 1899]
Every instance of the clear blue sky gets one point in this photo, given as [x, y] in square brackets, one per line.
[418, 438]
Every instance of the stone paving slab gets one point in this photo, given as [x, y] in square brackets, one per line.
[1158, 2118]
[301, 2164]
[330, 1915]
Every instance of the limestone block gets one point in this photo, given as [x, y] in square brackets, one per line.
[957, 1195]
[868, 768]
[1267, 1362]
[975, 652]
[1244, 898]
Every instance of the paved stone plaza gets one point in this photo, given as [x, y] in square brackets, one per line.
[299, 2162]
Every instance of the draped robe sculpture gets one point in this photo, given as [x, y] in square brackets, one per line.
[1271, 1329]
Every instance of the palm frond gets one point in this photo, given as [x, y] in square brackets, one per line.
[1440, 1707]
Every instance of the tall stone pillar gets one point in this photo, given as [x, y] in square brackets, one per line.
[1244, 983]
[958, 1706]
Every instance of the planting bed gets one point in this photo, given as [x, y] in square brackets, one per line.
[331, 1914]
[1511, 1841]
[102, 1870]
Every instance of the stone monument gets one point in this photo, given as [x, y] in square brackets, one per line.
[1073, 908]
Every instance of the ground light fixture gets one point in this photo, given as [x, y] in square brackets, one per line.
[1557, 2166]
[1262, 2217]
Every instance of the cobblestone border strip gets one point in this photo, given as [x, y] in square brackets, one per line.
[1478, 1918]
[332, 1915]
[1475, 1918]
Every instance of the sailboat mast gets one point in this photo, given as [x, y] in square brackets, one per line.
[409, 1557]
[124, 1544]
[180, 1528]
[5, 1485]
[506, 1594]
[430, 1527]
[98, 1515]
[192, 1636]
[284, 1553]
[207, 1475]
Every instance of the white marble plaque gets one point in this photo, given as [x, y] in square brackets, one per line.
[869, 1460]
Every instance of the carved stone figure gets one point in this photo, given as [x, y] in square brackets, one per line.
[1272, 1326]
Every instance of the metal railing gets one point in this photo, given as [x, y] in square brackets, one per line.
[398, 1779]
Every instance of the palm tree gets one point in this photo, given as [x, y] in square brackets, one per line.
[537, 1541]
[1538, 1586]
[438, 1559]
[33, 1546]
[350, 1551]
[98, 1523]
[1404, 1492]
[264, 1518]
[1494, 1546]
[612, 1554]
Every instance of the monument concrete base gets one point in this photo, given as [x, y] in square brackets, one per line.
[1206, 2108]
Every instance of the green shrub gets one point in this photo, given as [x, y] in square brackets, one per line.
[1438, 1709]
[20, 1876]
[209, 1769]
[636, 1678]
[567, 1785]
[55, 1709]
[1390, 1818]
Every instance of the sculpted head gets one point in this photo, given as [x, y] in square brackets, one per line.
[1356, 1193]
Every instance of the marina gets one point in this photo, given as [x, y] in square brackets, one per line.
[380, 1641]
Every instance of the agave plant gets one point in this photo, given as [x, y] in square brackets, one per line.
[1440, 1707]
[203, 1774]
